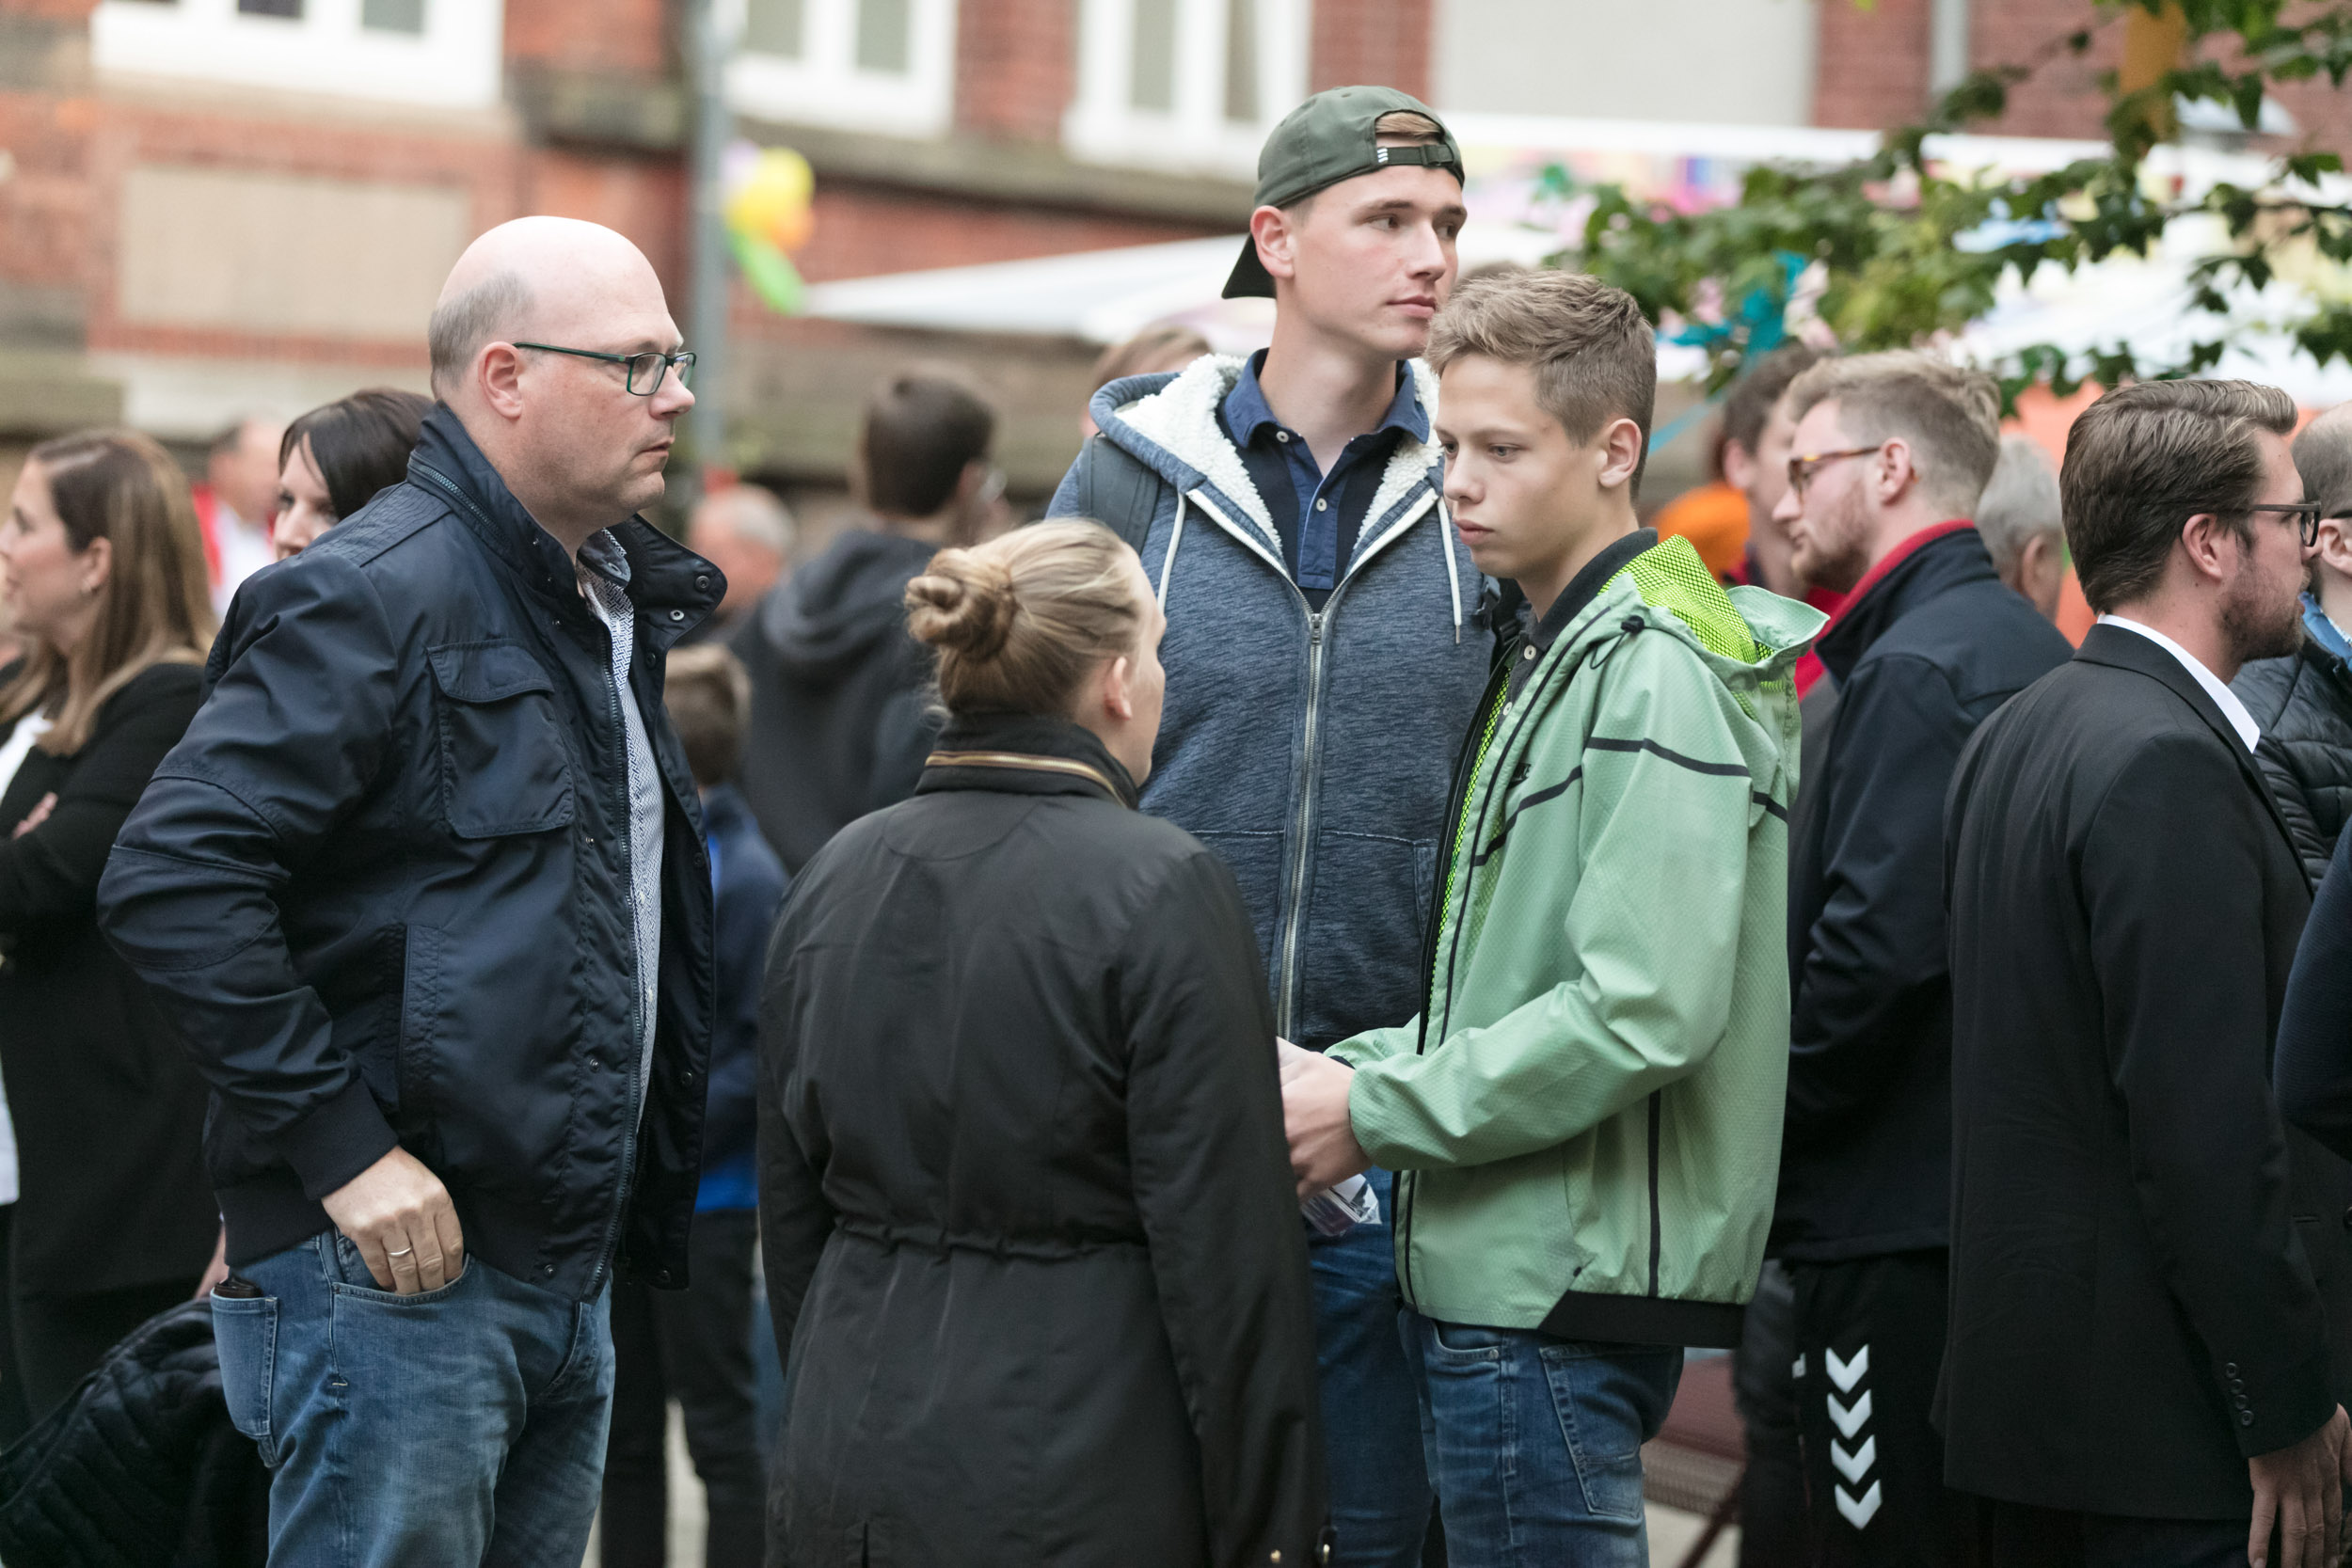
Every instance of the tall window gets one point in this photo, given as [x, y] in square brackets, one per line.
[1187, 85]
[442, 53]
[868, 64]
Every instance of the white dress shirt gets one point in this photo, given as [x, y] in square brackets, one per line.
[2223, 698]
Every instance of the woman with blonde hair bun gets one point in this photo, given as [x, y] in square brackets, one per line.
[102, 564]
[1031, 1241]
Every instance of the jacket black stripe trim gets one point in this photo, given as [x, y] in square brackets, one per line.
[1513, 821]
[1713, 769]
[1656, 1226]
[1645, 1320]
[1772, 806]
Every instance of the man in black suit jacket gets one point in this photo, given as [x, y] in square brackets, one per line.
[2151, 1280]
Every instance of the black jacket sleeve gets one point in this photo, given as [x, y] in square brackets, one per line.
[1213, 1184]
[51, 872]
[795, 1218]
[2295, 804]
[292, 736]
[1874, 957]
[2314, 1058]
[2176, 937]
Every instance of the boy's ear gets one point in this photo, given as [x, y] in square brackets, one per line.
[1621, 443]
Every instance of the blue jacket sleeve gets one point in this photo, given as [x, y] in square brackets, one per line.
[289, 740]
[2314, 1064]
[747, 901]
[1874, 957]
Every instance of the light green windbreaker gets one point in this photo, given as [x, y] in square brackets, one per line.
[1588, 1127]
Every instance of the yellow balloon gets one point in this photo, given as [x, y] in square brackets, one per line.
[772, 204]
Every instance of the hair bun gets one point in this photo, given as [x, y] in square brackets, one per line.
[962, 601]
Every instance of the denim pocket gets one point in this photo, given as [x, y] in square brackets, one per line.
[245, 1335]
[1610, 1401]
[348, 1276]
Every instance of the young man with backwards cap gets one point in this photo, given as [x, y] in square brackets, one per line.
[1327, 643]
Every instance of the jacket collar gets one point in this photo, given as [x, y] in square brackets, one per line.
[1024, 754]
[2119, 648]
[1935, 559]
[673, 589]
[2323, 635]
[1582, 590]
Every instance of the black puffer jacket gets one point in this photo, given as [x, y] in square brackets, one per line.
[141, 1468]
[1031, 1244]
[838, 723]
[2303, 704]
[382, 889]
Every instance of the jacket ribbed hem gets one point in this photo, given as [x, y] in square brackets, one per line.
[1848, 1249]
[1645, 1320]
[266, 1215]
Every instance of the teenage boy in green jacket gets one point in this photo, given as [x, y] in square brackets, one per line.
[1586, 1116]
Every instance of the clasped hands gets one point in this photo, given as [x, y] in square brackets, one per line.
[1324, 1150]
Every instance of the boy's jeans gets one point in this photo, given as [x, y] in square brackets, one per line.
[464, 1425]
[1380, 1495]
[1535, 1444]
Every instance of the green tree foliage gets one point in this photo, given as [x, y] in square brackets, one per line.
[1901, 248]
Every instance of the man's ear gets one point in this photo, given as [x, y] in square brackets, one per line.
[1621, 445]
[2335, 546]
[1115, 687]
[2212, 546]
[498, 372]
[1276, 239]
[1897, 470]
[1739, 465]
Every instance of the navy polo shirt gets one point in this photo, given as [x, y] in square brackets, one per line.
[1318, 515]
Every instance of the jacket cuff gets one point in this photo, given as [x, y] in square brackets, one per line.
[337, 1140]
[1379, 1119]
[2274, 1408]
[1371, 1046]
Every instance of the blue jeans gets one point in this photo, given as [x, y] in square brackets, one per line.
[1537, 1443]
[1380, 1495]
[460, 1426]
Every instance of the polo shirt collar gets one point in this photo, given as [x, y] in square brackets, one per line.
[1247, 416]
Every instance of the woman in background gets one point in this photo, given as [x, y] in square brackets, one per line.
[1033, 1251]
[102, 564]
[334, 459]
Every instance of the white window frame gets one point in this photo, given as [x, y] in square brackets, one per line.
[824, 84]
[456, 62]
[1101, 126]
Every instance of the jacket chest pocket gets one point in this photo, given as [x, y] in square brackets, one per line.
[504, 768]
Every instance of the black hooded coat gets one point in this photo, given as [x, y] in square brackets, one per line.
[1032, 1249]
[838, 725]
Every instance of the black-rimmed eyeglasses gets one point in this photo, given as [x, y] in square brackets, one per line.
[2306, 514]
[645, 371]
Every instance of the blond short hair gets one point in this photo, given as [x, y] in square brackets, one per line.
[1948, 414]
[1595, 357]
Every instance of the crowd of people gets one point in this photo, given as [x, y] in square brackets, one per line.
[1259, 1019]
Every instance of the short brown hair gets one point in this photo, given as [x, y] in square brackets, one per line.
[2144, 459]
[156, 607]
[1759, 386]
[922, 425]
[1019, 621]
[708, 695]
[1948, 414]
[1594, 356]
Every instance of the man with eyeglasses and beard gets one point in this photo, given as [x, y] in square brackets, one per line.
[1890, 453]
[2151, 1279]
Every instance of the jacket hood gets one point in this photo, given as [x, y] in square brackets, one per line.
[827, 617]
[1744, 634]
[1169, 422]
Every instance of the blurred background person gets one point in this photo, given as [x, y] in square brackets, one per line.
[695, 1345]
[1757, 429]
[838, 725]
[2303, 701]
[103, 567]
[2018, 518]
[1714, 516]
[1029, 1230]
[333, 460]
[234, 502]
[1161, 346]
[747, 533]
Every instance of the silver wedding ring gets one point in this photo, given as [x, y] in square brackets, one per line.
[402, 1253]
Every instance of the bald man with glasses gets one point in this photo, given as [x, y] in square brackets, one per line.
[424, 893]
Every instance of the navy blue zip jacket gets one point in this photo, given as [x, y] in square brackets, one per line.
[1926, 647]
[382, 888]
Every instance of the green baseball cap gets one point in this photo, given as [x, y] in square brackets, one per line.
[1325, 140]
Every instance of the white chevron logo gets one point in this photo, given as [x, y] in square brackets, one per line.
[1846, 1373]
[1797, 1370]
[1858, 1512]
[1849, 1422]
[1851, 1466]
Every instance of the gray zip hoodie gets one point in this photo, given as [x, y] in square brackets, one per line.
[1313, 751]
